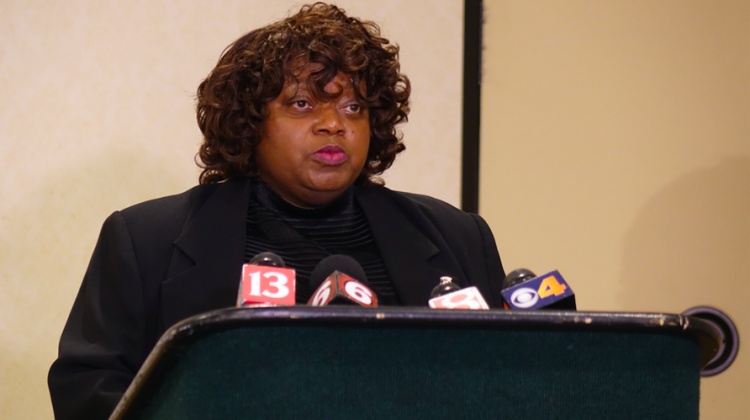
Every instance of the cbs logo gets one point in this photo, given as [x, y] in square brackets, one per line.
[524, 298]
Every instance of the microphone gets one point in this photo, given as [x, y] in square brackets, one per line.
[266, 282]
[524, 290]
[340, 280]
[447, 295]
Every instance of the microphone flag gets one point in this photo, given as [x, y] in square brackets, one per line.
[263, 284]
[341, 288]
[548, 291]
[466, 298]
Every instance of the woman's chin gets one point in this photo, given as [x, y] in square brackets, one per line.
[331, 182]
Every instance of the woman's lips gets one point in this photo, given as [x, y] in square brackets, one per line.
[331, 155]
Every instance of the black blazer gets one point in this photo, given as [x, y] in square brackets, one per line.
[164, 260]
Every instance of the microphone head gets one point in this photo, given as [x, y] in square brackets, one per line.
[342, 263]
[516, 277]
[446, 286]
[268, 259]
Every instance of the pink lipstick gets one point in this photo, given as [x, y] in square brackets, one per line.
[331, 154]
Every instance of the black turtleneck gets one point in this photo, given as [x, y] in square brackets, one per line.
[303, 237]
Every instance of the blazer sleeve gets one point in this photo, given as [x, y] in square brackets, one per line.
[102, 344]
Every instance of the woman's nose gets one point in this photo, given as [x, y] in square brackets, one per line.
[329, 120]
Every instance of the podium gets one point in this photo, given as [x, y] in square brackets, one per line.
[416, 363]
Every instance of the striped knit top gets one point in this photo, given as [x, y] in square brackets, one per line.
[303, 237]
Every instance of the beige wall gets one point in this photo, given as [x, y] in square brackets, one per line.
[96, 114]
[616, 148]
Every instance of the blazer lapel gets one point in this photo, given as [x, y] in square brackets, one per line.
[411, 247]
[206, 266]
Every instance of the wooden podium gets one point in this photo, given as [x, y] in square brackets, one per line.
[412, 363]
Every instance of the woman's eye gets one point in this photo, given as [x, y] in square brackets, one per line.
[301, 104]
[354, 108]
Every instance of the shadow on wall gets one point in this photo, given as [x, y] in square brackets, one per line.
[690, 246]
[46, 240]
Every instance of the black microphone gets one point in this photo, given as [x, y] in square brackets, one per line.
[524, 290]
[445, 286]
[266, 282]
[268, 259]
[517, 277]
[340, 280]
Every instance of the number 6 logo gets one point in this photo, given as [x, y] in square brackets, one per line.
[322, 295]
[358, 292]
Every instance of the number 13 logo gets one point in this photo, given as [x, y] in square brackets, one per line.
[268, 285]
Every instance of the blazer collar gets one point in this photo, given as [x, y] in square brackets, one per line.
[206, 266]
[409, 244]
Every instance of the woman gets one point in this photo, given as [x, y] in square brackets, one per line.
[298, 120]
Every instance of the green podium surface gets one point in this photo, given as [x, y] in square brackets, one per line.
[415, 363]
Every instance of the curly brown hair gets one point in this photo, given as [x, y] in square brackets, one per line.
[251, 72]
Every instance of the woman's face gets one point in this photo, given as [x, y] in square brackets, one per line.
[312, 150]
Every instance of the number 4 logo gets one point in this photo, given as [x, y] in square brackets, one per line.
[549, 287]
